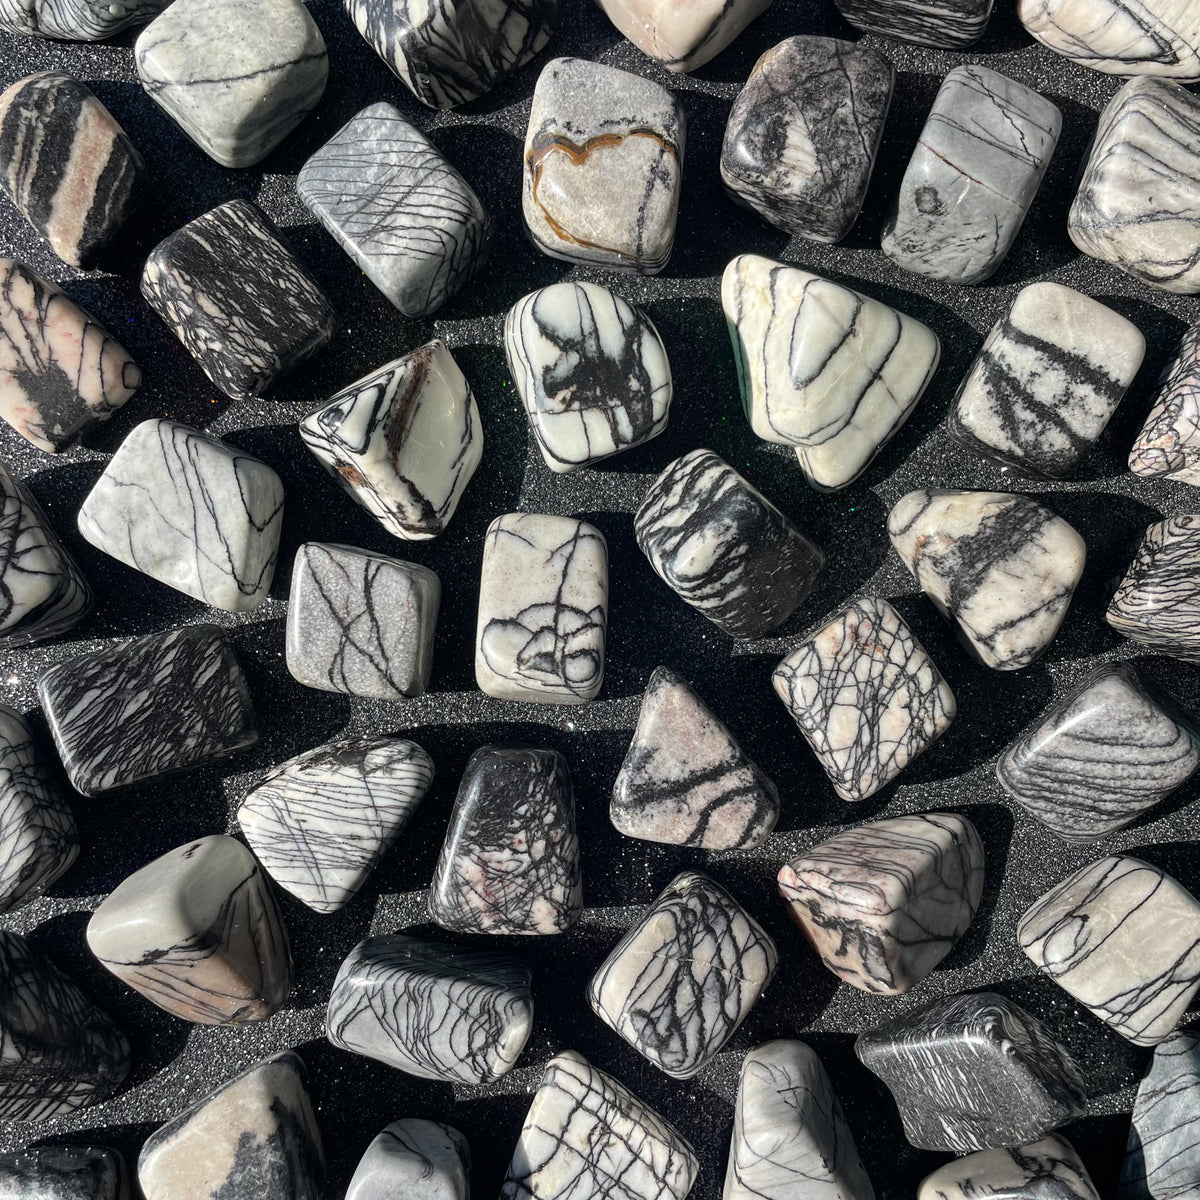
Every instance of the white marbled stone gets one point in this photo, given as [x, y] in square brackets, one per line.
[1168, 445]
[76, 20]
[1049, 1168]
[946, 24]
[414, 1159]
[682, 34]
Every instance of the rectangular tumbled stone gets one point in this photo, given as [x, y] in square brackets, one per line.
[1168, 446]
[682, 35]
[79, 1172]
[1046, 1168]
[947, 24]
[75, 20]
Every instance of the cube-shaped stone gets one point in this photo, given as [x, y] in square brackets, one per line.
[76, 20]
[414, 1158]
[720, 545]
[1046, 1168]
[586, 1135]
[321, 822]
[946, 24]
[543, 610]
[67, 166]
[244, 307]
[1046, 381]
[1138, 204]
[146, 707]
[403, 213]
[1001, 568]
[403, 441]
[978, 163]
[866, 696]
[361, 623]
[1100, 757]
[190, 511]
[591, 370]
[822, 368]
[257, 1131]
[1168, 446]
[432, 1010]
[237, 76]
[603, 163]
[802, 136]
[64, 1172]
[1123, 938]
[450, 54]
[883, 904]
[682, 34]
[973, 1072]
[685, 976]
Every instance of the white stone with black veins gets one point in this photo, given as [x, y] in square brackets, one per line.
[682, 36]
[946, 24]
[1168, 446]
[413, 1159]
[76, 20]
[1047, 1168]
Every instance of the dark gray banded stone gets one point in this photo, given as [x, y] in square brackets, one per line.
[1046, 1168]
[946, 24]
[414, 1159]
[1168, 446]
[682, 36]
[76, 20]
[64, 1172]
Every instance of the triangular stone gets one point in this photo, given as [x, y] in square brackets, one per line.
[685, 781]
[1169, 443]
[414, 1160]
[64, 1173]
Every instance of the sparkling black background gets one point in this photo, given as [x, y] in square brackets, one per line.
[177, 1063]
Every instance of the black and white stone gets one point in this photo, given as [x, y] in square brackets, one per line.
[685, 976]
[592, 372]
[822, 368]
[146, 707]
[802, 136]
[321, 823]
[398, 208]
[414, 1159]
[866, 696]
[190, 511]
[1100, 757]
[682, 36]
[255, 1136]
[685, 781]
[76, 20]
[510, 860]
[230, 289]
[1168, 446]
[720, 545]
[432, 1010]
[402, 441]
[64, 1172]
[946, 24]
[237, 76]
[1047, 1168]
[361, 623]
[1123, 938]
[977, 165]
[58, 1051]
[884, 903]
[790, 1134]
[586, 1137]
[1157, 602]
[199, 933]
[1138, 203]
[1001, 568]
[543, 610]
[973, 1072]
[67, 165]
[1046, 381]
[448, 53]
[603, 166]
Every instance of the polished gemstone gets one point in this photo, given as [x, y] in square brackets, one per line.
[414, 1160]
[76, 20]
[1168, 445]
[682, 34]
[1046, 1168]
[946, 24]
[64, 1172]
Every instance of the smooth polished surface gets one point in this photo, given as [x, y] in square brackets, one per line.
[1046, 1168]
[682, 34]
[1168, 446]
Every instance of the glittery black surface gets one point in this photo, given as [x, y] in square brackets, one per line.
[177, 1063]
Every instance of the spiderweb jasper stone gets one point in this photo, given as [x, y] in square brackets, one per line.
[1168, 445]
[76, 20]
[79, 1172]
[414, 1160]
[948, 24]
[1046, 1168]
[682, 36]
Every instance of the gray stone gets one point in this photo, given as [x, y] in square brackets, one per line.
[414, 1160]
[682, 36]
[66, 1172]
[1046, 1168]
[1168, 446]
[76, 20]
[947, 24]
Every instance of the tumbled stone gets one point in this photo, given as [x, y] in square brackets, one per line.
[199, 933]
[76, 20]
[432, 1010]
[1168, 446]
[67, 165]
[603, 161]
[1157, 602]
[682, 34]
[414, 1160]
[190, 511]
[685, 781]
[946, 24]
[1001, 568]
[361, 623]
[884, 903]
[543, 610]
[802, 136]
[866, 696]
[1100, 757]
[973, 1072]
[148, 706]
[398, 208]
[230, 289]
[591, 370]
[237, 76]
[721, 546]
[255, 1136]
[685, 976]
[321, 822]
[586, 1137]
[1046, 1168]
[1123, 938]
[64, 1172]
[822, 368]
[978, 163]
[510, 860]
[790, 1135]
[451, 53]
[403, 441]
[1138, 203]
